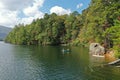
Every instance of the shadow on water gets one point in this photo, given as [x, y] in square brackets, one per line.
[100, 70]
[50, 63]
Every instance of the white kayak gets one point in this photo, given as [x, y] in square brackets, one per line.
[98, 55]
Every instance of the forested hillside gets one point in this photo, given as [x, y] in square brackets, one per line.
[100, 22]
[52, 29]
[97, 18]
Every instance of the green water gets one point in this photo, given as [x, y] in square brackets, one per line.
[50, 63]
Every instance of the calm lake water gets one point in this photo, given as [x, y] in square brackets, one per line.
[50, 63]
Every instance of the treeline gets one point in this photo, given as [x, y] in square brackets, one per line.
[100, 22]
[52, 30]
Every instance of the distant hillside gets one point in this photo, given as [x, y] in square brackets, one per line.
[4, 31]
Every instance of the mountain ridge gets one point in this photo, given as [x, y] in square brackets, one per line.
[4, 31]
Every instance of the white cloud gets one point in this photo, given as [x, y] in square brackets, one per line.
[34, 9]
[10, 11]
[27, 20]
[33, 12]
[59, 10]
[15, 4]
[79, 5]
[1, 5]
[30, 11]
[8, 18]
[38, 3]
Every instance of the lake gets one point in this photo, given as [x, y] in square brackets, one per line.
[20, 62]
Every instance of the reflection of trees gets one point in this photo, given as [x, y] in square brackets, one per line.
[49, 63]
[57, 65]
[95, 61]
[98, 71]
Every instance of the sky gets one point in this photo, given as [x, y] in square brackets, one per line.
[13, 12]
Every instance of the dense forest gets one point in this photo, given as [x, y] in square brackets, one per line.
[100, 22]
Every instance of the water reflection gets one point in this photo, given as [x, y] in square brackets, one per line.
[96, 61]
[49, 63]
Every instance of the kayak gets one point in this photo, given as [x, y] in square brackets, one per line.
[67, 50]
[98, 55]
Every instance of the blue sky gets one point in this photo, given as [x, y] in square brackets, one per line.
[67, 4]
[13, 12]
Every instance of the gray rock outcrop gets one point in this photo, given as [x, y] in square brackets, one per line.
[96, 48]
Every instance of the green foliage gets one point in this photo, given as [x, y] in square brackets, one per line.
[97, 18]
[100, 22]
[113, 33]
[52, 30]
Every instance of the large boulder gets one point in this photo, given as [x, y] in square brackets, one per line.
[96, 48]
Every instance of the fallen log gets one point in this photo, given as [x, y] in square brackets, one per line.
[116, 62]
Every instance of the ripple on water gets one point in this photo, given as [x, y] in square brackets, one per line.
[49, 63]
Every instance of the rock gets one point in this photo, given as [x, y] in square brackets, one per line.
[96, 48]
